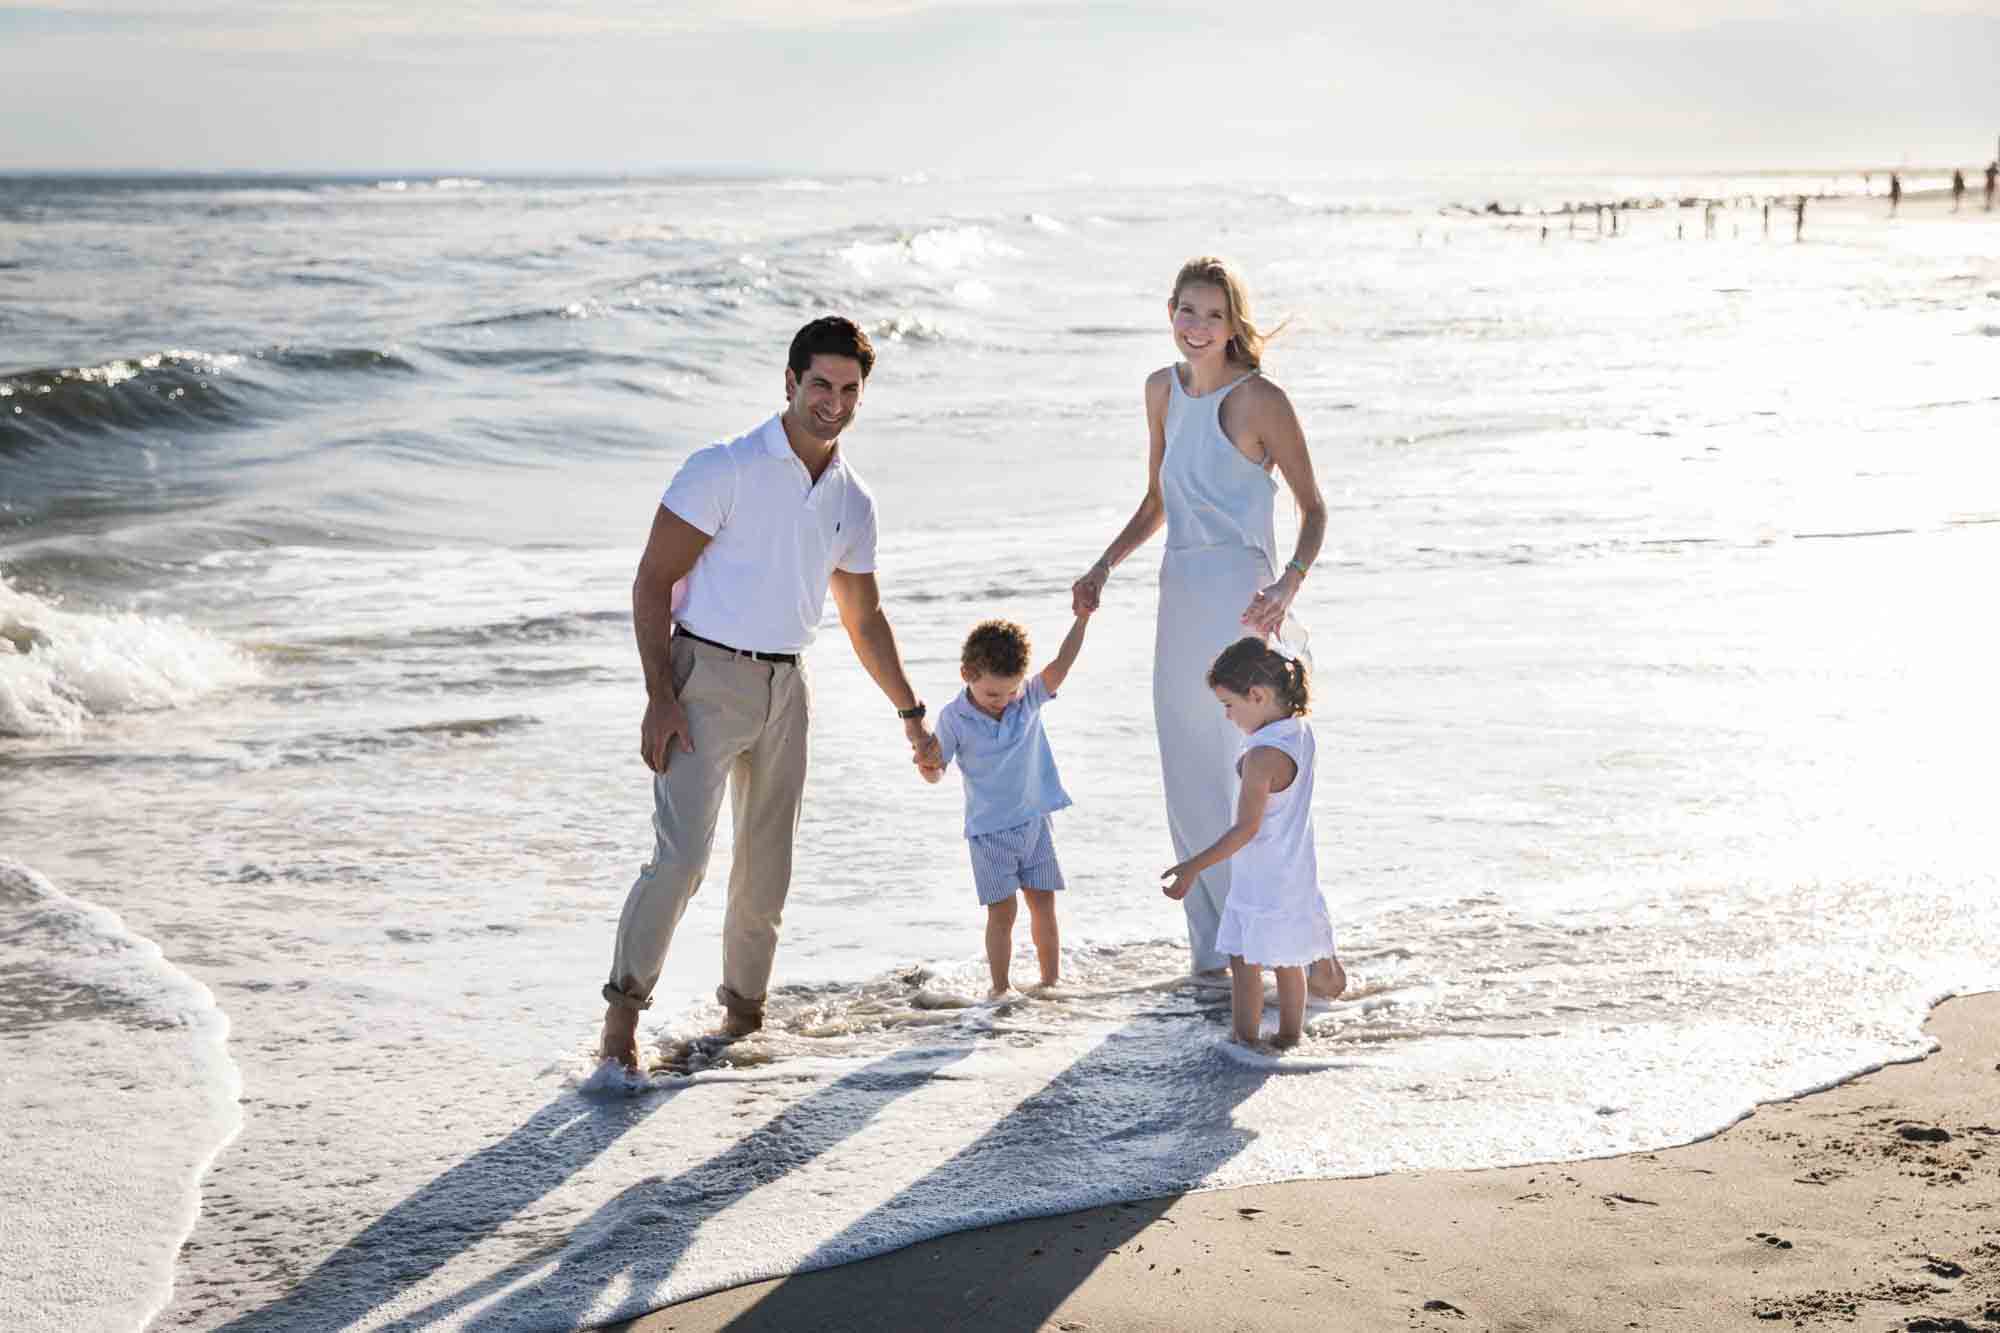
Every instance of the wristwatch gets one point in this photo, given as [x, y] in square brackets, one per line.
[912, 714]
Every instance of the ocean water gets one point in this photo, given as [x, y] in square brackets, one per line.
[1653, 658]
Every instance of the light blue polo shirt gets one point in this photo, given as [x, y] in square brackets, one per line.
[1010, 774]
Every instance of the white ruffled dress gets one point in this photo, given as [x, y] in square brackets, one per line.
[1276, 916]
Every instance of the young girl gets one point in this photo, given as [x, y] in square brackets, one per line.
[1275, 916]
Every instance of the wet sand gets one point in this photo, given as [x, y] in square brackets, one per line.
[1874, 1205]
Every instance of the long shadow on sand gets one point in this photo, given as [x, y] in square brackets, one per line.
[1112, 1126]
[1132, 1117]
[638, 1237]
[650, 1224]
[452, 1214]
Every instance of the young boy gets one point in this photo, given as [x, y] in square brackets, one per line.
[994, 729]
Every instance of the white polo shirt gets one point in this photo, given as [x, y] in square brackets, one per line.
[776, 536]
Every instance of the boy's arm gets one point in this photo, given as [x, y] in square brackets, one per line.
[1263, 769]
[1056, 672]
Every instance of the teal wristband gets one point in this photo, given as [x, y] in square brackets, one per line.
[1293, 564]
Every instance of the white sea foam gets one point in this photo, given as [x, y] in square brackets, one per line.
[113, 373]
[59, 669]
[118, 1093]
[935, 250]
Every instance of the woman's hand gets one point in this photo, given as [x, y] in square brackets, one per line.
[1183, 880]
[1087, 591]
[1267, 610]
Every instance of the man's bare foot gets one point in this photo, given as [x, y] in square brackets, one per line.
[1326, 979]
[735, 1025]
[620, 1041]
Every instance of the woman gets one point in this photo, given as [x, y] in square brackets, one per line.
[1218, 431]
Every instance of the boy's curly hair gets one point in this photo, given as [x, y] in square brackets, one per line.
[996, 648]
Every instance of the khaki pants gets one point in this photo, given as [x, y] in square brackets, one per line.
[748, 721]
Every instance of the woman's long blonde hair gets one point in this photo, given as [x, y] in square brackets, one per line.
[1246, 341]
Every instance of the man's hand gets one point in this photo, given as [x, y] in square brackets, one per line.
[924, 746]
[664, 730]
[1183, 880]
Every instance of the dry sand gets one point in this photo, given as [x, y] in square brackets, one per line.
[1872, 1206]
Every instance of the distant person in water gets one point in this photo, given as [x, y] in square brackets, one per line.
[745, 544]
[993, 728]
[1992, 177]
[1895, 192]
[1220, 439]
[1957, 188]
[1799, 219]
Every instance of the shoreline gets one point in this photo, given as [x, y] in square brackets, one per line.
[1873, 1204]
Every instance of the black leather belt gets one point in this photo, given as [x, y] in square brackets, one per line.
[789, 659]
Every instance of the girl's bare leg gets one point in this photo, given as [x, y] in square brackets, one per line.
[1246, 999]
[999, 942]
[1042, 925]
[1291, 1005]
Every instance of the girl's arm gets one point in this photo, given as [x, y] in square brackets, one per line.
[1264, 771]
[1148, 517]
[1056, 672]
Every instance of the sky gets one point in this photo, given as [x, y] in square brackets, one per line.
[992, 87]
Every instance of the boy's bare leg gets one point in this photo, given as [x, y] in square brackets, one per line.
[1246, 999]
[1326, 979]
[1042, 924]
[999, 942]
[620, 1041]
[1291, 1005]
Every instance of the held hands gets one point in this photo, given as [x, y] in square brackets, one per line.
[1183, 880]
[1267, 610]
[1088, 591]
[662, 731]
[925, 752]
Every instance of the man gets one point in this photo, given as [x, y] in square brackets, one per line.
[747, 540]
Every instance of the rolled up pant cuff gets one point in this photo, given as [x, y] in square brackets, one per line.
[613, 995]
[739, 1005]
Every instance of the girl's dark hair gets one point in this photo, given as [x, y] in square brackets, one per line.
[1250, 662]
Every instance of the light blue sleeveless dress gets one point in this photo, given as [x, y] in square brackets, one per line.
[1221, 551]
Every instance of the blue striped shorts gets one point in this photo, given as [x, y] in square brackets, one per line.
[1021, 857]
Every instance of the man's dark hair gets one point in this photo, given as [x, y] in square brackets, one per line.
[831, 335]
